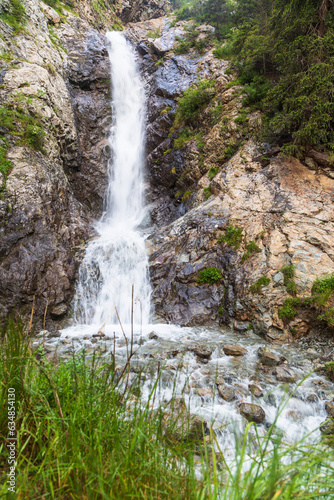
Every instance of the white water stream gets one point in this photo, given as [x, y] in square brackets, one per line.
[116, 260]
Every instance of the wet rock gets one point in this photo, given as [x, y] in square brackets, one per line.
[253, 413]
[226, 393]
[202, 351]
[204, 392]
[268, 358]
[329, 406]
[153, 336]
[65, 341]
[271, 399]
[255, 390]
[234, 350]
[327, 427]
[189, 428]
[241, 326]
[94, 340]
[294, 415]
[312, 398]
[285, 374]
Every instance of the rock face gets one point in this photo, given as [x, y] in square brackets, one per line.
[218, 179]
[133, 11]
[61, 86]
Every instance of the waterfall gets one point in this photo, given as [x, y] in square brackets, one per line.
[117, 259]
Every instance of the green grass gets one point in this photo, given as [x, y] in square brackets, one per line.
[207, 192]
[209, 275]
[192, 102]
[186, 196]
[232, 237]
[251, 249]
[322, 290]
[257, 286]
[212, 172]
[83, 432]
[15, 16]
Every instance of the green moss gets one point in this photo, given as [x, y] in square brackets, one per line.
[322, 290]
[288, 311]
[167, 152]
[257, 286]
[229, 151]
[212, 172]
[328, 316]
[5, 165]
[209, 275]
[6, 56]
[232, 237]
[186, 196]
[251, 249]
[200, 142]
[166, 110]
[207, 192]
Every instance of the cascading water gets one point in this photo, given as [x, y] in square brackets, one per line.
[116, 260]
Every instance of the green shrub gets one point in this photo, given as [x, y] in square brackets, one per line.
[185, 136]
[229, 151]
[251, 249]
[207, 192]
[209, 275]
[289, 273]
[186, 196]
[154, 34]
[192, 101]
[288, 311]
[212, 172]
[167, 152]
[216, 113]
[322, 290]
[328, 316]
[257, 286]
[232, 236]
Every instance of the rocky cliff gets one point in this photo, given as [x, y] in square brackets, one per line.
[243, 233]
[240, 234]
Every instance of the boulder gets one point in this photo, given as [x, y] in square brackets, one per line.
[234, 350]
[329, 406]
[255, 390]
[285, 374]
[202, 351]
[327, 427]
[226, 393]
[268, 358]
[253, 413]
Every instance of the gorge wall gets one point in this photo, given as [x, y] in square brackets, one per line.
[218, 199]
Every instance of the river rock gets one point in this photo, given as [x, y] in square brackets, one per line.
[153, 336]
[202, 351]
[253, 413]
[255, 390]
[285, 374]
[268, 358]
[327, 427]
[226, 393]
[204, 392]
[329, 406]
[234, 350]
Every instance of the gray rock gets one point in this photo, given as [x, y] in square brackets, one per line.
[327, 427]
[253, 413]
[268, 358]
[234, 350]
[202, 351]
[285, 374]
[255, 390]
[226, 393]
[329, 406]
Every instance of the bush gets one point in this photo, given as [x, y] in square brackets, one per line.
[232, 237]
[209, 275]
[288, 311]
[192, 101]
[289, 273]
[212, 172]
[186, 196]
[15, 16]
[207, 192]
[322, 290]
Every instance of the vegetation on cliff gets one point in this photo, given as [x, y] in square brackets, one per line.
[283, 52]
